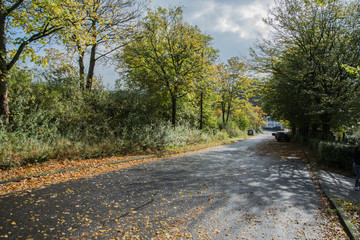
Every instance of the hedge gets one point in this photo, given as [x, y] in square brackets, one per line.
[333, 154]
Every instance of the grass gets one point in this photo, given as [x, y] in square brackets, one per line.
[55, 171]
[147, 139]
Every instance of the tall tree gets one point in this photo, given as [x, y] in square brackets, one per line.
[204, 86]
[166, 54]
[319, 36]
[234, 85]
[22, 23]
[105, 29]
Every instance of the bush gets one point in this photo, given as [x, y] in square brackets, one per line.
[184, 134]
[233, 130]
[57, 120]
[333, 155]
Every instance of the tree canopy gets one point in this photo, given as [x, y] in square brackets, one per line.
[170, 70]
[309, 85]
[105, 28]
[25, 22]
[167, 54]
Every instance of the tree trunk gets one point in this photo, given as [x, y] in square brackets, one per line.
[201, 110]
[4, 104]
[228, 112]
[223, 112]
[90, 76]
[81, 70]
[293, 129]
[223, 109]
[325, 123]
[315, 131]
[304, 129]
[173, 112]
[326, 133]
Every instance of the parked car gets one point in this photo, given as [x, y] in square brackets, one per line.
[251, 132]
[276, 134]
[283, 136]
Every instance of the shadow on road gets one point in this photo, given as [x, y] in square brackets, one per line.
[250, 189]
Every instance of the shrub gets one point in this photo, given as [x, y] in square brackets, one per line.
[336, 155]
[333, 155]
[233, 130]
[56, 120]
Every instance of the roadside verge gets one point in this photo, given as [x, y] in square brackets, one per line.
[52, 172]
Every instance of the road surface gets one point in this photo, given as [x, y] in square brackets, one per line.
[246, 190]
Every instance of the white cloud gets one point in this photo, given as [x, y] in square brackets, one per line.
[244, 20]
[233, 24]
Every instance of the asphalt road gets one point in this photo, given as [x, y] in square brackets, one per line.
[245, 190]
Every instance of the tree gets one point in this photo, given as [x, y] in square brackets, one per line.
[166, 55]
[106, 27]
[257, 117]
[25, 22]
[312, 41]
[204, 86]
[284, 99]
[234, 86]
[60, 69]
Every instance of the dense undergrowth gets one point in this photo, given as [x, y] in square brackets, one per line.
[56, 120]
[335, 156]
[17, 150]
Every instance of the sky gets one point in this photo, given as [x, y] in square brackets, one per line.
[234, 25]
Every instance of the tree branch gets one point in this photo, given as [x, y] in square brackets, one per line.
[13, 7]
[35, 37]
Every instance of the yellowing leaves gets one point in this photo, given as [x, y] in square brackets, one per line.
[53, 166]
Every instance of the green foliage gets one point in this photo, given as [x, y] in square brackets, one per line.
[234, 86]
[309, 85]
[167, 55]
[31, 21]
[23, 23]
[27, 115]
[169, 69]
[333, 155]
[105, 27]
[242, 120]
[352, 70]
[56, 120]
[32, 132]
[232, 129]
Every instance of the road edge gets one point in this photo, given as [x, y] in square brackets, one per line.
[348, 226]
